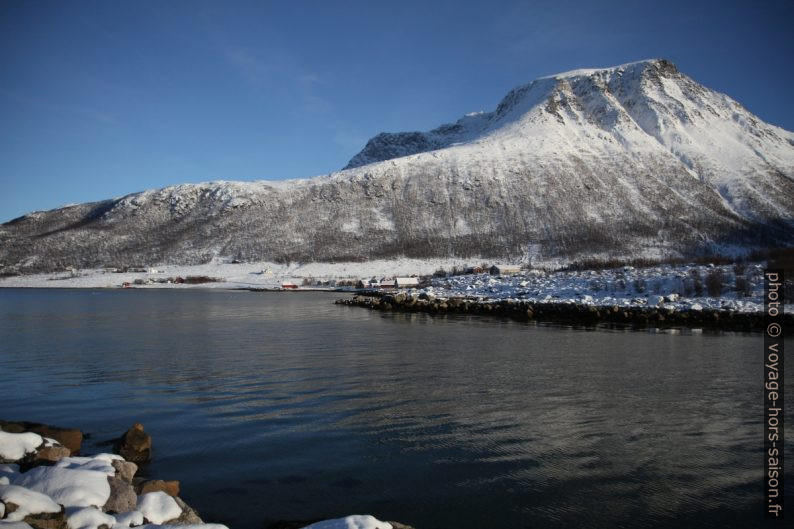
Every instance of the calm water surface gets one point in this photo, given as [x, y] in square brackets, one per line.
[285, 406]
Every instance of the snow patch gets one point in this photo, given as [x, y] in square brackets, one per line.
[99, 463]
[88, 518]
[158, 507]
[186, 526]
[355, 521]
[14, 446]
[67, 486]
[128, 519]
[29, 502]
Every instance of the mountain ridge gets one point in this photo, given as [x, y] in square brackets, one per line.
[636, 159]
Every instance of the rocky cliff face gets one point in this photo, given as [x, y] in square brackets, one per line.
[637, 159]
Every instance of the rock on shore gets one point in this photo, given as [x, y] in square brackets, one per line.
[355, 521]
[135, 445]
[69, 438]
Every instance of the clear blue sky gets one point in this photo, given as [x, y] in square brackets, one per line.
[103, 98]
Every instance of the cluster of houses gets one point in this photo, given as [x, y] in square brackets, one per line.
[387, 283]
[374, 283]
[384, 283]
[495, 270]
[397, 282]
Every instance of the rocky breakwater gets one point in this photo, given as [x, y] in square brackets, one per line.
[654, 314]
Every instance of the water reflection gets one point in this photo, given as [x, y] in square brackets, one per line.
[297, 408]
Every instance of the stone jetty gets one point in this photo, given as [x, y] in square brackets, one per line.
[565, 312]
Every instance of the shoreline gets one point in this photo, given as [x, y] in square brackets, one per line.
[727, 297]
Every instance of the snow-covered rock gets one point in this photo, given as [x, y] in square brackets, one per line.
[655, 301]
[158, 507]
[28, 502]
[355, 521]
[14, 446]
[88, 518]
[185, 526]
[100, 463]
[67, 486]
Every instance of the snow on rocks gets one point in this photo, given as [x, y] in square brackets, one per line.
[27, 502]
[69, 438]
[87, 492]
[158, 507]
[129, 519]
[71, 487]
[15, 446]
[355, 521]
[655, 301]
[88, 518]
[186, 526]
[100, 463]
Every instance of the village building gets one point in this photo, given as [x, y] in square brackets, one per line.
[406, 282]
[505, 270]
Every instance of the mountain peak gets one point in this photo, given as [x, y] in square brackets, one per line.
[542, 92]
[661, 65]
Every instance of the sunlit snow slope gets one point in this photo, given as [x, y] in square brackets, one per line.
[633, 160]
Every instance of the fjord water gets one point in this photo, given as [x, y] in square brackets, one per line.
[272, 406]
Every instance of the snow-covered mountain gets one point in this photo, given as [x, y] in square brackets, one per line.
[637, 159]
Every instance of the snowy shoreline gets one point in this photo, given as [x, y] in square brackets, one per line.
[727, 297]
[231, 276]
[737, 287]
